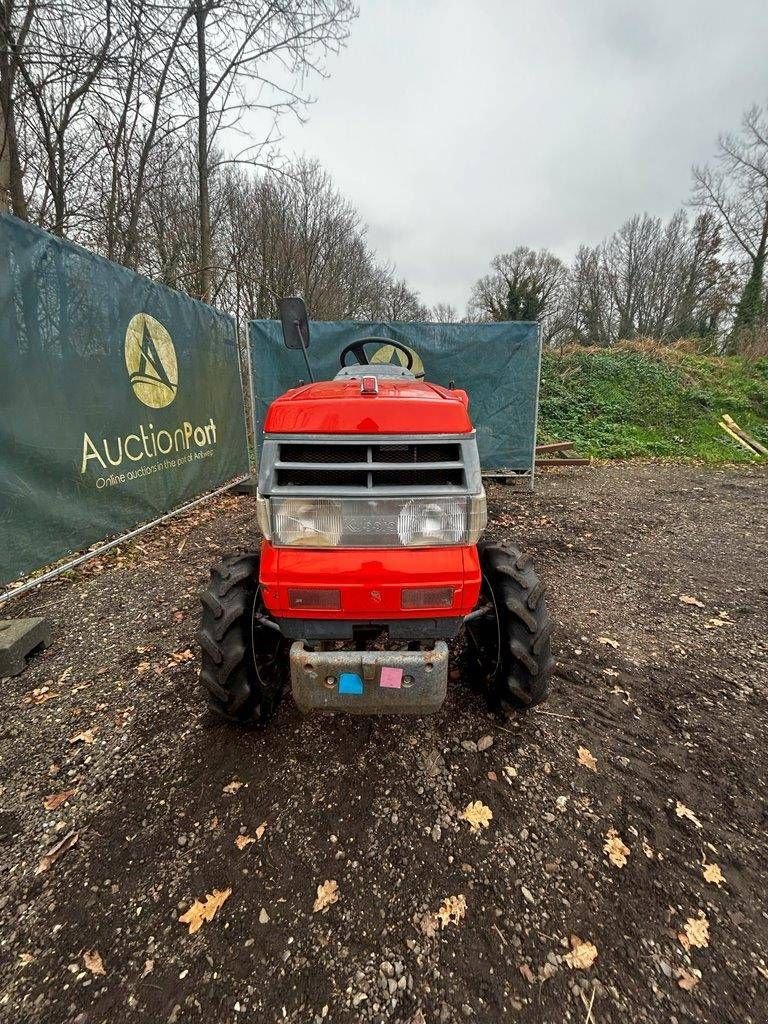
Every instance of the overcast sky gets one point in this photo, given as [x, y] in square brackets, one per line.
[460, 130]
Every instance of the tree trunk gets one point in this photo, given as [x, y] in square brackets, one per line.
[204, 208]
[750, 308]
[11, 180]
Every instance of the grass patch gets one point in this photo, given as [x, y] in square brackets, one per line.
[656, 403]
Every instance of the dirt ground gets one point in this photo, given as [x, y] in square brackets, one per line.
[659, 582]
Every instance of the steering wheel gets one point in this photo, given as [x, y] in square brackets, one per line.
[357, 349]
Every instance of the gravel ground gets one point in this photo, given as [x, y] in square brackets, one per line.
[658, 582]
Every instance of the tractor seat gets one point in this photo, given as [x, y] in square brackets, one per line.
[375, 370]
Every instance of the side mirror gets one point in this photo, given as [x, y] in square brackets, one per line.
[293, 316]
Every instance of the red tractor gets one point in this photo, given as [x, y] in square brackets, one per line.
[371, 503]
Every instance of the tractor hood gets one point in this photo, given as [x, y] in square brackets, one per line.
[397, 407]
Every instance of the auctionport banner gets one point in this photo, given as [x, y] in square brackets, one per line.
[120, 399]
[497, 364]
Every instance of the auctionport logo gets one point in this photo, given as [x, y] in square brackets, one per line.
[153, 371]
[151, 361]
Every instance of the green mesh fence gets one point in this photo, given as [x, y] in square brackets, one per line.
[120, 399]
[498, 364]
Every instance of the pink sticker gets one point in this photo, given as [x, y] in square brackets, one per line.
[391, 677]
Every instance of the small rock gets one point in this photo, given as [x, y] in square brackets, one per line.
[437, 833]
[485, 743]
[387, 969]
[263, 917]
[469, 745]
[527, 894]
[359, 998]
[182, 840]
[524, 834]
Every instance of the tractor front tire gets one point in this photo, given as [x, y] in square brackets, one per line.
[243, 660]
[523, 628]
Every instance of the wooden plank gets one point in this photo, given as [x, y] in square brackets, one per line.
[543, 463]
[554, 446]
[729, 421]
[738, 440]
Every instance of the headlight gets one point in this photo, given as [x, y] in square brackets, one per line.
[432, 524]
[376, 522]
[307, 522]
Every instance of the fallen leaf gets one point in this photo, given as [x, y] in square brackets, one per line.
[713, 874]
[582, 955]
[39, 696]
[685, 979]
[93, 961]
[427, 924]
[608, 642]
[615, 848]
[477, 815]
[527, 973]
[452, 910]
[54, 800]
[26, 958]
[687, 599]
[260, 830]
[715, 623]
[685, 812]
[233, 786]
[143, 667]
[695, 932]
[242, 841]
[57, 851]
[64, 675]
[587, 759]
[86, 736]
[205, 911]
[181, 656]
[327, 893]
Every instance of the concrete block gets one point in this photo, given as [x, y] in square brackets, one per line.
[248, 486]
[18, 639]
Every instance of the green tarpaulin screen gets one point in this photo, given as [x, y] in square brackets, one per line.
[120, 399]
[497, 364]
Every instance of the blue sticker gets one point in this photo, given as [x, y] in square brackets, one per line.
[350, 682]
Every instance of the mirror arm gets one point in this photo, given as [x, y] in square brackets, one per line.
[297, 324]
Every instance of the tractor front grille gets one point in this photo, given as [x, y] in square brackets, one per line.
[328, 465]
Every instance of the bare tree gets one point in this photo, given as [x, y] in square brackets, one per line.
[240, 51]
[523, 285]
[735, 189]
[443, 313]
[396, 301]
[58, 53]
[648, 279]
